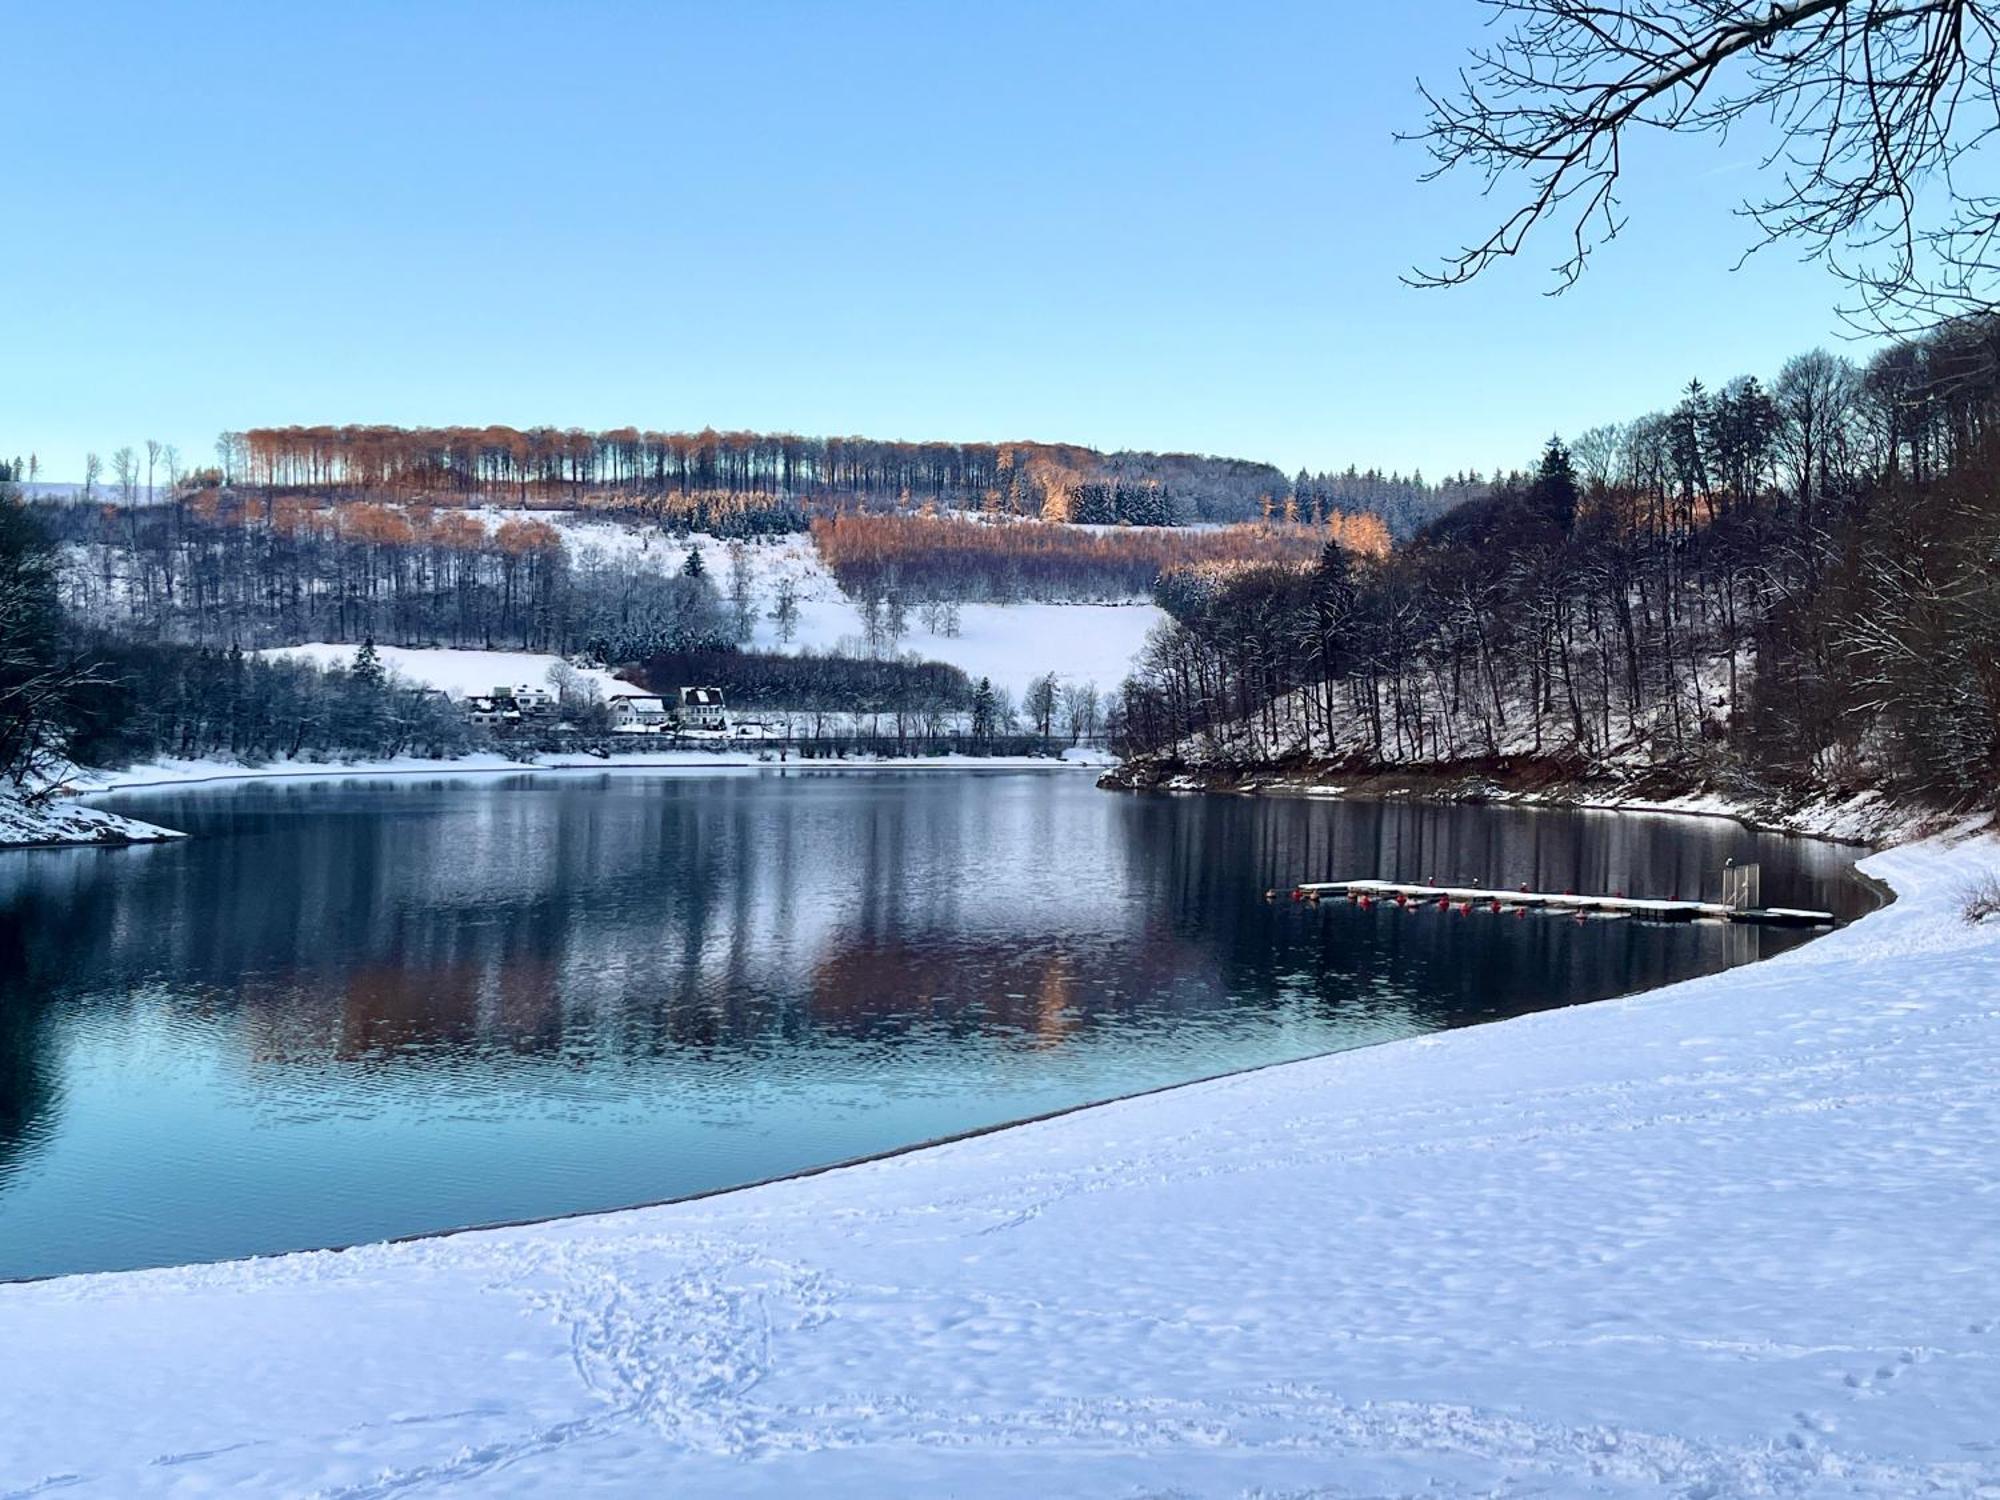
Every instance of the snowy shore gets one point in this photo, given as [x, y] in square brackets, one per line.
[1860, 817]
[59, 822]
[90, 783]
[64, 821]
[1731, 1238]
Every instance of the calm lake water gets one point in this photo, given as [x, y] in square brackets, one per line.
[370, 1007]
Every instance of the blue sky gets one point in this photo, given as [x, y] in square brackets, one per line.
[1132, 225]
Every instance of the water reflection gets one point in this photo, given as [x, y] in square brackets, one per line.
[360, 1008]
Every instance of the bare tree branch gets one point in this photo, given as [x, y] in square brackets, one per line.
[1879, 109]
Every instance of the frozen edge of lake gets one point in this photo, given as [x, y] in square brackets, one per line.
[172, 773]
[1732, 1237]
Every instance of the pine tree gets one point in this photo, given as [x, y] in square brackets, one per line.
[985, 710]
[694, 567]
[1555, 486]
[368, 667]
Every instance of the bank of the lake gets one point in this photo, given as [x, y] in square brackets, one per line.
[66, 819]
[1692, 788]
[1732, 1237]
[56, 822]
[357, 1007]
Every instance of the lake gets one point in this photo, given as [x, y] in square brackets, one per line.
[356, 1008]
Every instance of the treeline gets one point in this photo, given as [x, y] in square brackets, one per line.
[921, 557]
[149, 701]
[1404, 505]
[550, 466]
[37, 671]
[928, 691]
[1787, 585]
[219, 568]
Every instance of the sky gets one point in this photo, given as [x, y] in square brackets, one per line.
[1147, 225]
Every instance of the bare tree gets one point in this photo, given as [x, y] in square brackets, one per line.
[93, 467]
[229, 448]
[785, 609]
[1081, 708]
[125, 469]
[1875, 104]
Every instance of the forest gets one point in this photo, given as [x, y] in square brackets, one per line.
[1792, 586]
[925, 557]
[218, 568]
[745, 483]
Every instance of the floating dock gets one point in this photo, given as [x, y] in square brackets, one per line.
[1473, 898]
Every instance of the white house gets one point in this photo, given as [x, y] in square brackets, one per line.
[494, 710]
[702, 708]
[637, 713]
[532, 701]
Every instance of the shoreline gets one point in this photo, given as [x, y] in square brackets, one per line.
[1683, 1239]
[95, 784]
[1863, 817]
[1884, 895]
[69, 820]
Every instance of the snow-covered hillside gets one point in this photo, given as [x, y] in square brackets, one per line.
[459, 673]
[1732, 1238]
[1010, 643]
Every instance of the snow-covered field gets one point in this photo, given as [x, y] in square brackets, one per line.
[1010, 643]
[460, 673]
[1733, 1238]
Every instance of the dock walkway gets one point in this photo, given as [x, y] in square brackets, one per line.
[1631, 906]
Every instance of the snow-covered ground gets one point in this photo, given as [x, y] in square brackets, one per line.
[1732, 1238]
[93, 782]
[1012, 644]
[458, 672]
[26, 824]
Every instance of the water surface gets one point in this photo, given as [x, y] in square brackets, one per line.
[378, 1006]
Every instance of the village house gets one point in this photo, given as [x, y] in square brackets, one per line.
[511, 705]
[702, 708]
[637, 713]
[492, 711]
[533, 702]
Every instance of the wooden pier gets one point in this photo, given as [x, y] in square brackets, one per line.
[1475, 898]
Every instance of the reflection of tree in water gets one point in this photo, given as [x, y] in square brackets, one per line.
[875, 989]
[599, 921]
[30, 960]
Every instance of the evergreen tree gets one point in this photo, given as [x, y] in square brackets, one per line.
[368, 668]
[985, 710]
[1555, 491]
[694, 567]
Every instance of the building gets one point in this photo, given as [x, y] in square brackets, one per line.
[506, 706]
[637, 713]
[702, 708]
[495, 711]
[533, 702]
